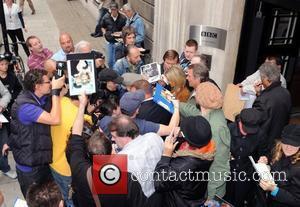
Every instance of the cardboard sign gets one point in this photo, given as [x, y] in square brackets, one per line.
[232, 105]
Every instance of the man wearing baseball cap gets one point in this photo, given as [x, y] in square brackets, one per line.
[195, 154]
[247, 139]
[5, 98]
[109, 84]
[112, 25]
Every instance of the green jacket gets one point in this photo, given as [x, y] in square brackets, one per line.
[189, 108]
[220, 166]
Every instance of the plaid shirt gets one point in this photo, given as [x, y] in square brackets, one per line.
[36, 61]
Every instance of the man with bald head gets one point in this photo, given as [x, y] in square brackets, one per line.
[50, 67]
[131, 63]
[67, 46]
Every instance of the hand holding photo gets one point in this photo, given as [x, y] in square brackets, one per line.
[151, 71]
[164, 98]
[263, 170]
[81, 74]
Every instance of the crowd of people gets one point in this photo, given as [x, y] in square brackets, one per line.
[193, 153]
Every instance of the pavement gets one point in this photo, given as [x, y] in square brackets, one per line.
[52, 16]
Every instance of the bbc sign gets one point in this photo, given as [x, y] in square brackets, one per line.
[208, 36]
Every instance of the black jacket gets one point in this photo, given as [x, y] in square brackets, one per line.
[31, 144]
[80, 162]
[179, 192]
[289, 190]
[151, 111]
[275, 102]
[112, 26]
[243, 146]
[13, 85]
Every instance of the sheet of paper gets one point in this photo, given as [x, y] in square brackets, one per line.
[3, 119]
[20, 203]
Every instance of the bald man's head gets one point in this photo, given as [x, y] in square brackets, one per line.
[50, 67]
[134, 54]
[66, 42]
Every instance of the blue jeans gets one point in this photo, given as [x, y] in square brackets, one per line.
[64, 184]
[37, 174]
[4, 166]
[111, 53]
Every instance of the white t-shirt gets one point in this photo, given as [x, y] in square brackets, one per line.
[12, 19]
[143, 154]
[251, 80]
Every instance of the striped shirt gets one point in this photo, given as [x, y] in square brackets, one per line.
[36, 61]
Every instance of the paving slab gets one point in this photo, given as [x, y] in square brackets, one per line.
[52, 16]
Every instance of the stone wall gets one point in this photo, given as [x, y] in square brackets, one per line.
[167, 27]
[171, 29]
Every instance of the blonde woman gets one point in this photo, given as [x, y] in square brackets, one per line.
[177, 80]
[285, 164]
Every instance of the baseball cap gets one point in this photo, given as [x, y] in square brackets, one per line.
[291, 135]
[196, 130]
[251, 119]
[3, 57]
[130, 78]
[113, 5]
[110, 75]
[131, 101]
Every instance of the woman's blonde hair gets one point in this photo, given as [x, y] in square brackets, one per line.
[176, 76]
[277, 153]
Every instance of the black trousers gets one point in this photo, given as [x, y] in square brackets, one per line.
[102, 12]
[18, 34]
[39, 174]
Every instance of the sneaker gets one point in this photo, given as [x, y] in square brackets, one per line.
[11, 174]
[96, 34]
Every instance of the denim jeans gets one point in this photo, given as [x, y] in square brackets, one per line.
[38, 174]
[111, 53]
[4, 167]
[64, 184]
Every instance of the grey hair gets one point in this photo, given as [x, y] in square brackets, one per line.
[81, 46]
[200, 71]
[202, 59]
[128, 7]
[270, 72]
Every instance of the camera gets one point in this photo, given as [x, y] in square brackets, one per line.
[97, 54]
[60, 67]
[101, 92]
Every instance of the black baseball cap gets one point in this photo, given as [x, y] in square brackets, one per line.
[3, 57]
[251, 119]
[196, 130]
[291, 135]
[110, 75]
[113, 5]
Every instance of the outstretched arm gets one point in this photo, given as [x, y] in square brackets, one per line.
[78, 123]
